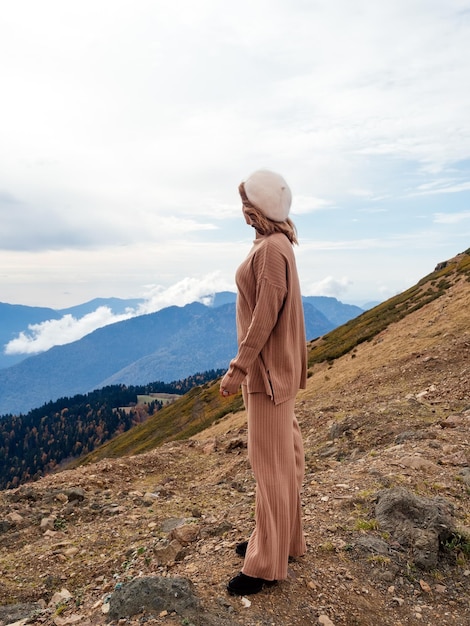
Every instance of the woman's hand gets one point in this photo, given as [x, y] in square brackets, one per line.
[227, 388]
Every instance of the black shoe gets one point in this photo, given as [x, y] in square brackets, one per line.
[243, 585]
[241, 548]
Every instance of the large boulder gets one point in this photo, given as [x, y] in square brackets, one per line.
[153, 594]
[415, 522]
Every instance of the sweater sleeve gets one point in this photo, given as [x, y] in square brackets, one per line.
[271, 288]
[270, 300]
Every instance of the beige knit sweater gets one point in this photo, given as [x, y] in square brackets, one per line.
[272, 350]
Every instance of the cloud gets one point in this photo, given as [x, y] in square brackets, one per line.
[122, 128]
[47, 227]
[361, 193]
[329, 286]
[451, 218]
[43, 336]
[442, 186]
[372, 210]
[183, 292]
[346, 244]
[7, 200]
[308, 204]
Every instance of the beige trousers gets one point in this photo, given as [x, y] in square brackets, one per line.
[276, 455]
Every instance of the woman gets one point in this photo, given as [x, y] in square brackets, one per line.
[270, 365]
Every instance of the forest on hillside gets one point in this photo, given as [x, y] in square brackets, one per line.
[47, 438]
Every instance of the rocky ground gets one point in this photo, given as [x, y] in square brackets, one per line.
[394, 414]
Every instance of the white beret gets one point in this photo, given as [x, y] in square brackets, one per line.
[270, 193]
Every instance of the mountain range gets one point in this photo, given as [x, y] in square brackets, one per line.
[16, 318]
[170, 344]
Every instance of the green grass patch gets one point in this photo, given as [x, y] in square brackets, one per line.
[459, 544]
[164, 398]
[366, 524]
[379, 559]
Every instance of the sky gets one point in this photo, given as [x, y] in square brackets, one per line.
[127, 125]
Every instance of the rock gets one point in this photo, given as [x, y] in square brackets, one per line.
[12, 613]
[210, 446]
[114, 509]
[70, 619]
[343, 427]
[388, 575]
[185, 534]
[408, 435]
[419, 523]
[236, 443]
[373, 544]
[149, 498]
[426, 546]
[14, 518]
[154, 594]
[75, 493]
[5, 526]
[47, 523]
[24, 493]
[455, 421]
[168, 552]
[60, 597]
[217, 530]
[171, 523]
[459, 458]
[327, 451]
[324, 620]
[416, 462]
[465, 473]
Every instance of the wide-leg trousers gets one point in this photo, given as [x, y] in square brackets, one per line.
[276, 455]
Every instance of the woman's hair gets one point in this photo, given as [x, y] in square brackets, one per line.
[262, 224]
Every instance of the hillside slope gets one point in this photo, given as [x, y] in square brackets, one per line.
[393, 410]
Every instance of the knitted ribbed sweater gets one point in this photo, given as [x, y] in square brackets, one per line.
[272, 351]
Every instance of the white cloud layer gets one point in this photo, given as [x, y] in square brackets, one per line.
[330, 286]
[183, 292]
[41, 337]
